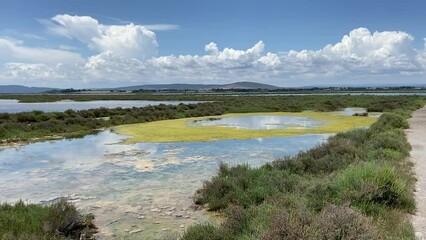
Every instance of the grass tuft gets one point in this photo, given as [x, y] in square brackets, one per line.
[60, 220]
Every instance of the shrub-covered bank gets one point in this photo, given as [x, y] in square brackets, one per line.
[358, 185]
[60, 220]
[37, 124]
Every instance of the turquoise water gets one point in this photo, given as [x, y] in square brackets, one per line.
[140, 191]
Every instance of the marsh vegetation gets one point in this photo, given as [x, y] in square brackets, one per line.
[37, 124]
[358, 185]
[59, 220]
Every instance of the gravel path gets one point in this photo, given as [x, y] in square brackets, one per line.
[416, 135]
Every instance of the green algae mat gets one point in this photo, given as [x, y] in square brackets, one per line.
[182, 130]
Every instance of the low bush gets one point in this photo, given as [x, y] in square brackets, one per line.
[393, 140]
[339, 151]
[60, 220]
[342, 222]
[370, 187]
[389, 121]
[204, 232]
[333, 222]
[243, 186]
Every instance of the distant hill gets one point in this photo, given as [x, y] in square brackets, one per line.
[236, 85]
[248, 85]
[177, 86]
[22, 89]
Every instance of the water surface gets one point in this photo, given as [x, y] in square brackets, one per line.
[259, 122]
[135, 191]
[14, 106]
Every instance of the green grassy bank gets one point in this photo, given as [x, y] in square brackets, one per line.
[358, 185]
[60, 220]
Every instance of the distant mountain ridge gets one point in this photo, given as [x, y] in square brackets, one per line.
[23, 89]
[178, 86]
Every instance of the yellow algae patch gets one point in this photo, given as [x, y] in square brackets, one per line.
[177, 130]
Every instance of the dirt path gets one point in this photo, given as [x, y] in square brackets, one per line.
[416, 135]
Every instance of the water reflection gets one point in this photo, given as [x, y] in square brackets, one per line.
[134, 190]
[351, 111]
[13, 106]
[260, 122]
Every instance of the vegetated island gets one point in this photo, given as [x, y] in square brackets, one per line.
[358, 185]
[179, 130]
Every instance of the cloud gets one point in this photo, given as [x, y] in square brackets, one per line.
[362, 51]
[15, 51]
[132, 41]
[118, 68]
[29, 71]
[162, 27]
[124, 57]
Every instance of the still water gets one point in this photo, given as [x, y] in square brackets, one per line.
[140, 190]
[259, 122]
[14, 106]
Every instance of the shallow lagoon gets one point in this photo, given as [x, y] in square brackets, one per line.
[258, 122]
[143, 189]
[14, 106]
[134, 190]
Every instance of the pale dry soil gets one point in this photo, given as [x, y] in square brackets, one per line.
[416, 135]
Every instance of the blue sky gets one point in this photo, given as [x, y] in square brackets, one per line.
[186, 27]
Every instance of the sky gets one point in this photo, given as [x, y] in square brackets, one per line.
[293, 43]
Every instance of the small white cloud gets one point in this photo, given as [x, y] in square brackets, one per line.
[211, 48]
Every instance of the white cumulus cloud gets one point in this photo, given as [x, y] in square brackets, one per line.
[361, 50]
[132, 41]
[127, 54]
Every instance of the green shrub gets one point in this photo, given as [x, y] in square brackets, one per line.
[243, 186]
[372, 187]
[333, 222]
[236, 220]
[389, 121]
[289, 225]
[59, 220]
[338, 152]
[340, 222]
[204, 232]
[291, 198]
[319, 195]
[390, 140]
